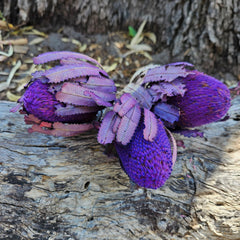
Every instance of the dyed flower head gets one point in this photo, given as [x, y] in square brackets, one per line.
[64, 100]
[141, 141]
[177, 95]
[180, 95]
[148, 164]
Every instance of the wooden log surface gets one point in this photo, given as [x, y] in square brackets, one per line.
[67, 188]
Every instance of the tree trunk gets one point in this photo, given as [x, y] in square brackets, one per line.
[206, 33]
[67, 188]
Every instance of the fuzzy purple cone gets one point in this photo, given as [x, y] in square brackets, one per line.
[148, 164]
[64, 100]
[206, 100]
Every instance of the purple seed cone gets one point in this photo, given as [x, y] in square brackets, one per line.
[148, 164]
[40, 102]
[206, 100]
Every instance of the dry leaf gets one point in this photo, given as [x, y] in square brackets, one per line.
[31, 31]
[140, 47]
[82, 48]
[12, 97]
[110, 68]
[19, 41]
[6, 26]
[20, 49]
[28, 60]
[36, 41]
[22, 83]
[147, 55]
[2, 58]
[76, 42]
[137, 37]
[151, 36]
[9, 53]
[119, 44]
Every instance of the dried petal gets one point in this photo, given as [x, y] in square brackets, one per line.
[74, 94]
[166, 73]
[60, 73]
[127, 103]
[140, 93]
[60, 129]
[168, 113]
[52, 56]
[72, 110]
[162, 90]
[100, 84]
[151, 127]
[128, 125]
[106, 134]
[99, 101]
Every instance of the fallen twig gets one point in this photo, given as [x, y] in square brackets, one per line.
[6, 84]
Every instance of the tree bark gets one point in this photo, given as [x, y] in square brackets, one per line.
[206, 33]
[67, 188]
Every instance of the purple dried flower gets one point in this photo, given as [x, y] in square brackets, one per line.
[69, 94]
[206, 100]
[148, 164]
[140, 140]
[180, 95]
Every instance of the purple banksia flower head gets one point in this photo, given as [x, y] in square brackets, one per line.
[206, 100]
[141, 142]
[147, 163]
[181, 96]
[64, 100]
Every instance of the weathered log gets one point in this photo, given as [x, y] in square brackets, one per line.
[67, 188]
[206, 33]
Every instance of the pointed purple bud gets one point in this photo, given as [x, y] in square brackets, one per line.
[148, 164]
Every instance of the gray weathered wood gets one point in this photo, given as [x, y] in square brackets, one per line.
[67, 188]
[206, 33]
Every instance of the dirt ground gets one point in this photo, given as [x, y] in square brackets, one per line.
[115, 51]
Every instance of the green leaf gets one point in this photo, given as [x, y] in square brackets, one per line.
[131, 31]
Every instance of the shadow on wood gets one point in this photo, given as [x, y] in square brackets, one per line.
[67, 188]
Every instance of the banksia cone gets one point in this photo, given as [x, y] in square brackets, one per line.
[148, 164]
[206, 100]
